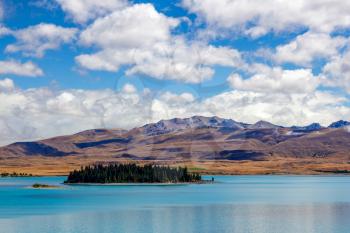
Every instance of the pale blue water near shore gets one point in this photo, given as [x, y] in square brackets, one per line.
[246, 204]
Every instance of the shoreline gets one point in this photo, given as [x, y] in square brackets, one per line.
[207, 174]
[127, 184]
[48, 188]
[139, 184]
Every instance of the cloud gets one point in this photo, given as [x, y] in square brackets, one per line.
[256, 18]
[46, 4]
[82, 11]
[305, 48]
[177, 99]
[21, 69]
[277, 80]
[6, 85]
[278, 108]
[141, 38]
[128, 88]
[322, 23]
[139, 20]
[42, 112]
[36, 40]
[4, 31]
[338, 71]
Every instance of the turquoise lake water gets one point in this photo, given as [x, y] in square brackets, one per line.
[271, 204]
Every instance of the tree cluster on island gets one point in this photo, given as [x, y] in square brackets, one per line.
[131, 173]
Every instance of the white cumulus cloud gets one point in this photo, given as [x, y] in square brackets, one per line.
[277, 80]
[6, 85]
[36, 40]
[141, 37]
[338, 71]
[21, 69]
[81, 11]
[256, 17]
[279, 108]
[309, 46]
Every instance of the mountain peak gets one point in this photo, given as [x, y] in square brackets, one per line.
[263, 125]
[175, 124]
[311, 127]
[339, 124]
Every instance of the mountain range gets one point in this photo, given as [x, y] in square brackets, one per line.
[195, 138]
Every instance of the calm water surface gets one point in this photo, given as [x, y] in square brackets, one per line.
[287, 204]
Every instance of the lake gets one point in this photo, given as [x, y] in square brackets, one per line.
[234, 204]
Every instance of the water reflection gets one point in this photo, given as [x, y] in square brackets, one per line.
[311, 218]
[249, 204]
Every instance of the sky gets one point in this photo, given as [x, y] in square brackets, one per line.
[72, 65]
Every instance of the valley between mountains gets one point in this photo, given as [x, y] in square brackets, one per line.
[209, 145]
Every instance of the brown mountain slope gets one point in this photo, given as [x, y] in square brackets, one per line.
[324, 143]
[190, 139]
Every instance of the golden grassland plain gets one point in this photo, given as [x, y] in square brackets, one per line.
[53, 166]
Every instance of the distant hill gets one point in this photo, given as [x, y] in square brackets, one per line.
[339, 124]
[308, 128]
[196, 138]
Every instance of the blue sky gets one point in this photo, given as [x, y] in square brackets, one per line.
[59, 65]
[97, 62]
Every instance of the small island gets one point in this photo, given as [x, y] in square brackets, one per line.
[131, 173]
[44, 186]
